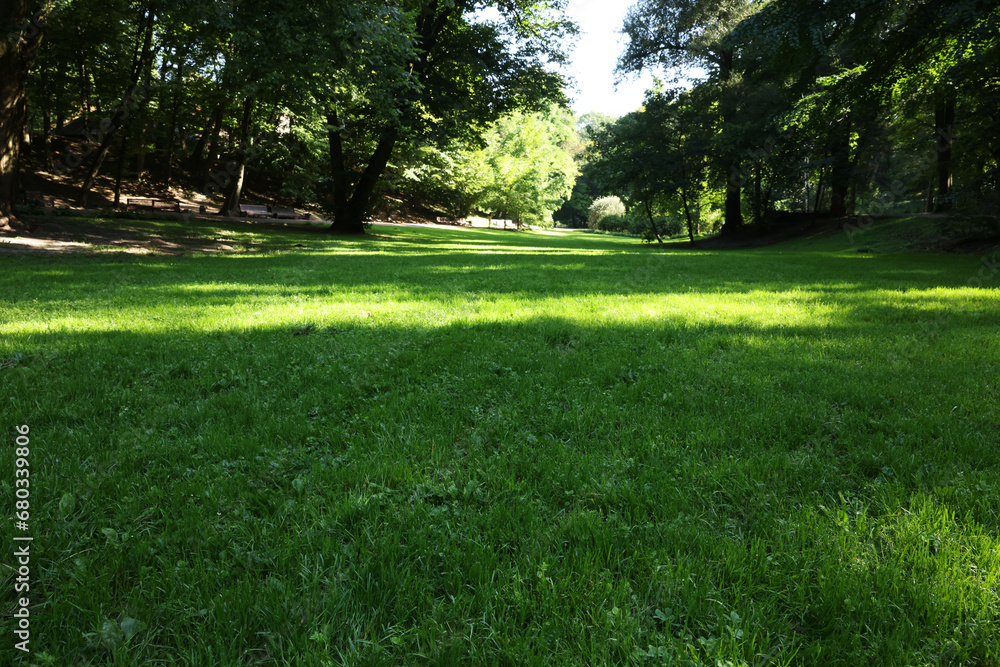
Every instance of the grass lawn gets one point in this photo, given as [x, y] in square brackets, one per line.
[487, 447]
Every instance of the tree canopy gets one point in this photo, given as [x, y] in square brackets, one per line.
[812, 107]
[802, 107]
[338, 87]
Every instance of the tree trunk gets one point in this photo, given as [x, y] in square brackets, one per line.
[140, 156]
[840, 176]
[652, 222]
[733, 210]
[120, 171]
[350, 213]
[123, 110]
[820, 192]
[687, 214]
[234, 190]
[84, 81]
[944, 126]
[338, 168]
[46, 119]
[173, 129]
[758, 202]
[11, 124]
[806, 195]
[17, 50]
[211, 132]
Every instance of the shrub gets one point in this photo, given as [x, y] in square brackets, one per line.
[639, 226]
[613, 223]
[603, 207]
[670, 226]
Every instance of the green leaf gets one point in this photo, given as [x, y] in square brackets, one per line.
[67, 504]
[111, 635]
[131, 626]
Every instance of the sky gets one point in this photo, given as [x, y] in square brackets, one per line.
[593, 61]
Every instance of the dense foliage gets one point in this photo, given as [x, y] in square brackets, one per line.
[522, 170]
[321, 93]
[839, 107]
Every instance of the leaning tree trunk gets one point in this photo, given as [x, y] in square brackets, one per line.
[234, 189]
[123, 110]
[687, 213]
[652, 220]
[17, 50]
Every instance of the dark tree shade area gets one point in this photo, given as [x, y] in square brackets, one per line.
[321, 93]
[838, 108]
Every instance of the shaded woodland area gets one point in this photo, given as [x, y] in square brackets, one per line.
[322, 93]
[840, 108]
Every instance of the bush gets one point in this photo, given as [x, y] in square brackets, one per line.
[670, 226]
[639, 226]
[603, 207]
[613, 223]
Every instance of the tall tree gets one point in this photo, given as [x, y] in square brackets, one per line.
[654, 158]
[24, 22]
[444, 70]
[676, 34]
[530, 172]
[134, 98]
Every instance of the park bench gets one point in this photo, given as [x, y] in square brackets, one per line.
[284, 213]
[254, 211]
[149, 204]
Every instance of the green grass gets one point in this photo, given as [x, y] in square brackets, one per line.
[904, 234]
[488, 447]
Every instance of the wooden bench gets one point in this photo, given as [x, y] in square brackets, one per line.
[136, 204]
[149, 204]
[167, 205]
[254, 211]
[284, 213]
